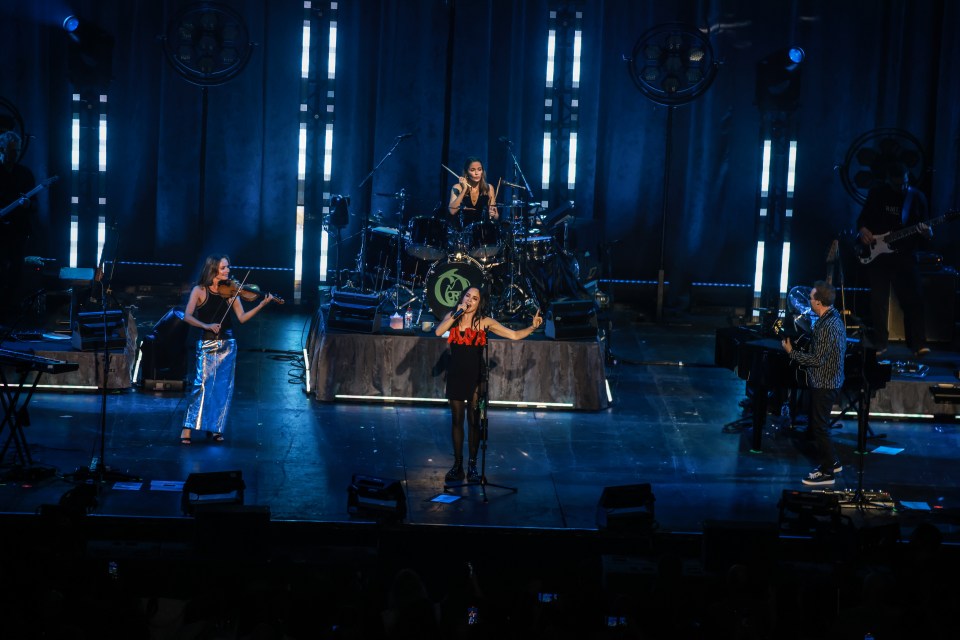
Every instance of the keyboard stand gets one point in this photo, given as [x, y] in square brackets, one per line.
[15, 416]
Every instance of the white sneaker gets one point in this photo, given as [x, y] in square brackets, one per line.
[818, 478]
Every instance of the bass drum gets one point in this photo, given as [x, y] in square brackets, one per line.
[448, 279]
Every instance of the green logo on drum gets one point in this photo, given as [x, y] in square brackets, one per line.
[450, 287]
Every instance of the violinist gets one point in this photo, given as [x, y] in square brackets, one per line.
[211, 307]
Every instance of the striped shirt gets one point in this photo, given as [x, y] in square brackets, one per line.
[824, 360]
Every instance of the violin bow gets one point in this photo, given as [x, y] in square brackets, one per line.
[234, 297]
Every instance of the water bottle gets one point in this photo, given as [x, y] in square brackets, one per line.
[408, 319]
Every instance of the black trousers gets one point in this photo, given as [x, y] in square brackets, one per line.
[821, 402]
[901, 273]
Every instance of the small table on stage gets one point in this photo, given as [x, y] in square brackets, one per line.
[16, 396]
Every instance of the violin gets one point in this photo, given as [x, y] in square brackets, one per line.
[247, 292]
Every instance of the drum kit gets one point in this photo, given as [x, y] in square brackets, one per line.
[426, 263]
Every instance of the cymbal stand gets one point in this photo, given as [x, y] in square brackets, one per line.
[363, 241]
[393, 293]
[516, 296]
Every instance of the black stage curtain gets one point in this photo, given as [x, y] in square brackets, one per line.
[460, 74]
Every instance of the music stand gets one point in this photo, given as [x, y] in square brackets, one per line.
[482, 396]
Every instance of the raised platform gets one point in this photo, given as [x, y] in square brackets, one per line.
[89, 376]
[408, 366]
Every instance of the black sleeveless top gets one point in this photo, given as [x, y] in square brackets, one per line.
[212, 310]
[470, 213]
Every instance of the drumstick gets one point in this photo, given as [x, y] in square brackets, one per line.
[452, 172]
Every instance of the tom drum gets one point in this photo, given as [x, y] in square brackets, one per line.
[427, 238]
[484, 239]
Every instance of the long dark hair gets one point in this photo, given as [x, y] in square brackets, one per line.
[481, 305]
[211, 267]
[484, 189]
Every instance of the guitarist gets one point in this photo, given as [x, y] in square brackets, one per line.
[893, 205]
[15, 180]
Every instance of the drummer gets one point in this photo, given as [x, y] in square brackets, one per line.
[472, 199]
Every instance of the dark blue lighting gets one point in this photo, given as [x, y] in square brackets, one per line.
[70, 23]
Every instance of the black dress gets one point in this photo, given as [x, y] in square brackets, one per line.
[466, 362]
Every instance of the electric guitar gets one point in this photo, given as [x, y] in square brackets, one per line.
[866, 253]
[23, 199]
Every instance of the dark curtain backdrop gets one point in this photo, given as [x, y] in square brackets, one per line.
[458, 75]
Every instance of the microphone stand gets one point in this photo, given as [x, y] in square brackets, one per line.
[482, 398]
[366, 218]
[516, 167]
[98, 472]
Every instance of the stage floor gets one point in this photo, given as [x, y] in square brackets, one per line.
[666, 427]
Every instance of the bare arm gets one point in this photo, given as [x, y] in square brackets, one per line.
[456, 196]
[492, 199]
[245, 314]
[489, 324]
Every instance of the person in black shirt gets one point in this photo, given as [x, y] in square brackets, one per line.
[15, 181]
[472, 199]
[891, 206]
[823, 364]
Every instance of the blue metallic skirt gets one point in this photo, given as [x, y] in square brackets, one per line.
[213, 386]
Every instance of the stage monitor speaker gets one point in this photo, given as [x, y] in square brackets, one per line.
[627, 508]
[378, 498]
[357, 312]
[212, 488]
[90, 328]
[571, 319]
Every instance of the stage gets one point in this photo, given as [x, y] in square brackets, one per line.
[710, 501]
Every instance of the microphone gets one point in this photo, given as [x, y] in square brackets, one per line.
[404, 136]
[506, 141]
[457, 313]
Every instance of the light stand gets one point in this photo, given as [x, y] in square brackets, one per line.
[671, 64]
[482, 419]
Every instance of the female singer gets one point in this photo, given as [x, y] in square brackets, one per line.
[468, 336]
[472, 197]
[209, 309]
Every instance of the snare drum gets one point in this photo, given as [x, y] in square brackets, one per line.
[536, 248]
[448, 279]
[484, 239]
[427, 238]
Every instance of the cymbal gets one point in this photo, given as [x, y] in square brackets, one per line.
[398, 195]
[385, 231]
